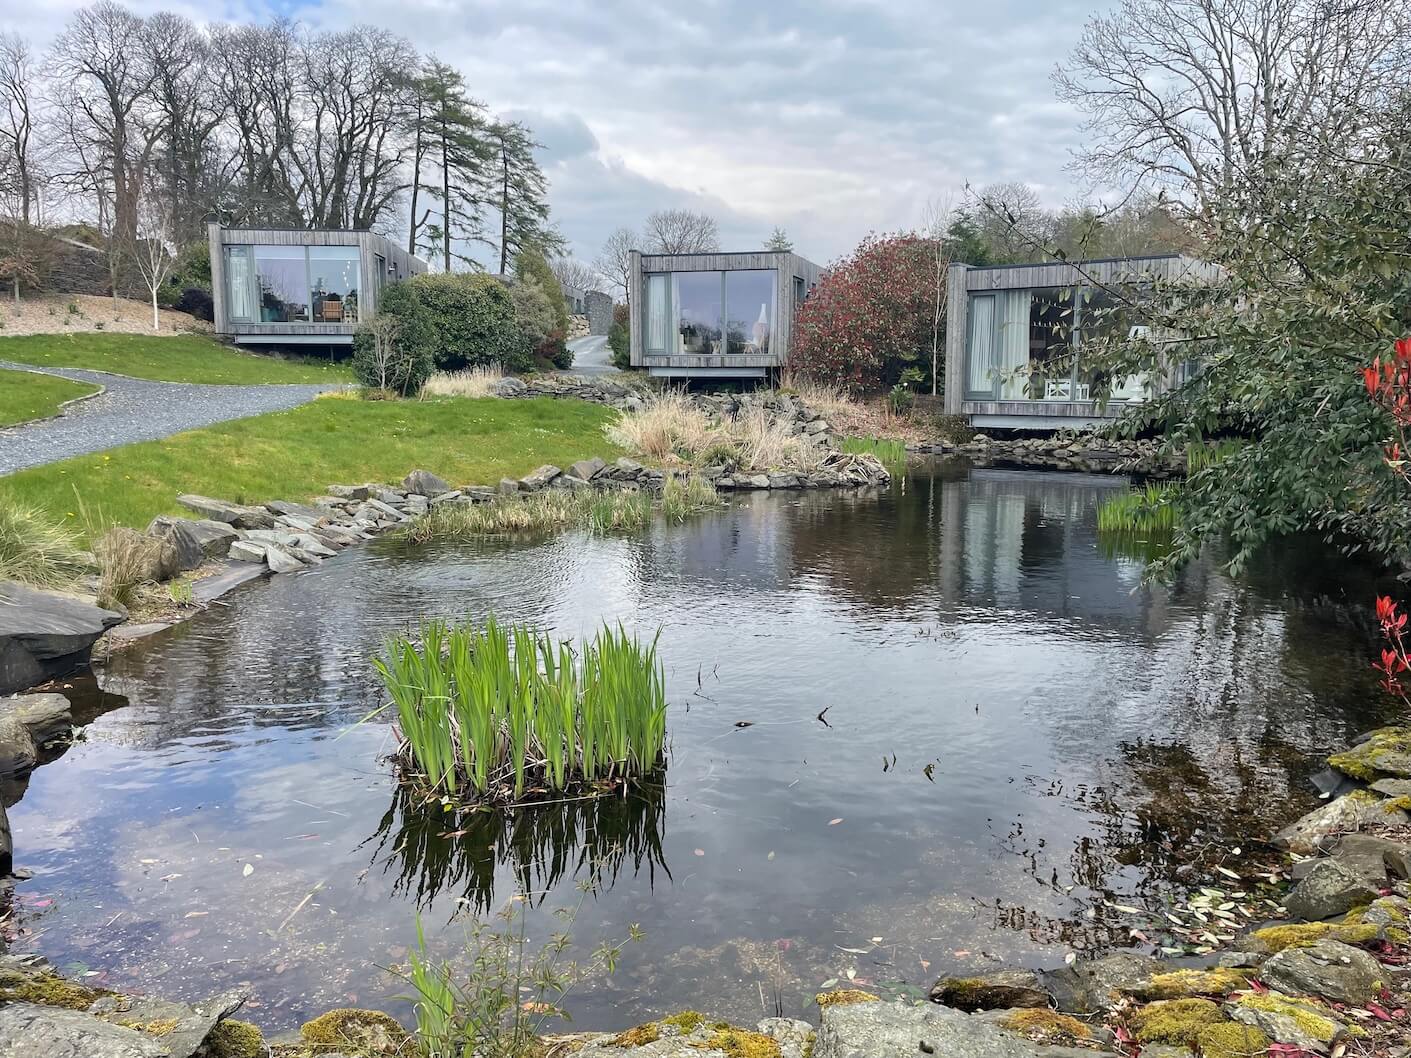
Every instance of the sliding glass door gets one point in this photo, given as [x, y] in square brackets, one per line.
[715, 313]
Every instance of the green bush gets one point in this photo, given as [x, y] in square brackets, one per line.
[190, 272]
[531, 266]
[472, 319]
[620, 337]
[533, 311]
[395, 349]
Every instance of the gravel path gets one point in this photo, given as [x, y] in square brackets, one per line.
[133, 409]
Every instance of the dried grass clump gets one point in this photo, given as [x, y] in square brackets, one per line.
[668, 426]
[37, 550]
[471, 382]
[671, 430]
[128, 562]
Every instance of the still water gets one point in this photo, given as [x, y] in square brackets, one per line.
[969, 725]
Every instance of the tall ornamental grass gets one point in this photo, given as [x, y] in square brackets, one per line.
[504, 713]
[38, 550]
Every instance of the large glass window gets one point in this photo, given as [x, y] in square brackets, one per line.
[697, 298]
[333, 283]
[749, 306]
[239, 284]
[658, 314]
[282, 278]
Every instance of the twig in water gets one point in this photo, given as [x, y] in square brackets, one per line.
[298, 907]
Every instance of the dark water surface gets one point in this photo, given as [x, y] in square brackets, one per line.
[1086, 736]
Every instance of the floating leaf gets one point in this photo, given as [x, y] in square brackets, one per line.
[835, 822]
[249, 870]
[699, 852]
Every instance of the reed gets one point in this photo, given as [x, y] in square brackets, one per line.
[1202, 456]
[502, 714]
[1144, 510]
[670, 429]
[891, 454]
[684, 497]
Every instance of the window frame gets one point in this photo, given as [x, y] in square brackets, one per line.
[247, 250]
[673, 323]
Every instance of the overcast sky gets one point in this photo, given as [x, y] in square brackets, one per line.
[830, 118]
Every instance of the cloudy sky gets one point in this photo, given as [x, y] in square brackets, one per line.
[830, 118]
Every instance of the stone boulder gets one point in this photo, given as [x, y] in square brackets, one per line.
[55, 1032]
[1331, 887]
[7, 844]
[509, 387]
[540, 478]
[996, 990]
[1346, 814]
[235, 514]
[903, 1030]
[187, 549]
[1301, 1023]
[44, 635]
[152, 558]
[1373, 857]
[586, 469]
[424, 483]
[1093, 986]
[185, 1027]
[1384, 752]
[1328, 968]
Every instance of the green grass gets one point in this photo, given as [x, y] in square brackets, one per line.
[34, 549]
[1144, 510]
[296, 454]
[179, 358]
[492, 713]
[891, 454]
[25, 395]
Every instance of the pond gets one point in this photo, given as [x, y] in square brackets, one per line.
[933, 729]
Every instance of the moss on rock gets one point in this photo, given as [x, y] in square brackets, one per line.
[687, 1021]
[739, 1043]
[638, 1035]
[1275, 939]
[236, 1039]
[1300, 1012]
[1183, 984]
[1046, 1026]
[845, 995]
[1231, 1040]
[1175, 1020]
[46, 990]
[1386, 752]
[349, 1027]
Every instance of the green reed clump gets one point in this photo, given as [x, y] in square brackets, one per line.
[38, 550]
[497, 713]
[683, 497]
[1201, 456]
[891, 454]
[1144, 510]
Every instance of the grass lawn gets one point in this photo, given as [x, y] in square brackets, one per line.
[293, 455]
[25, 395]
[171, 358]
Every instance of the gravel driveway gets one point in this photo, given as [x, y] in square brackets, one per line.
[133, 409]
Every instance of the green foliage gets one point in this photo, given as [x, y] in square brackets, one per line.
[473, 321]
[36, 549]
[620, 337]
[191, 270]
[892, 454]
[531, 266]
[394, 350]
[495, 713]
[533, 311]
[685, 496]
[1144, 510]
[501, 995]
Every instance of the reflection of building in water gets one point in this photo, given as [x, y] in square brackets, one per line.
[748, 544]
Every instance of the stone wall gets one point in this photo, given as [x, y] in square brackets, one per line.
[599, 312]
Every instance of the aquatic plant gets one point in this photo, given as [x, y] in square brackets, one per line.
[493, 713]
[501, 994]
[685, 496]
[891, 454]
[1200, 456]
[1144, 510]
[37, 549]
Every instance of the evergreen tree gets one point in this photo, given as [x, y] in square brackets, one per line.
[779, 241]
[521, 193]
[452, 156]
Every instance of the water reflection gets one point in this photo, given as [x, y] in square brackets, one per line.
[1016, 732]
[429, 853]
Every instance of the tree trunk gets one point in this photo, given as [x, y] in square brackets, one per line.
[156, 319]
[504, 207]
[445, 199]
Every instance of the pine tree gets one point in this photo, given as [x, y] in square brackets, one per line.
[521, 194]
[779, 242]
[452, 157]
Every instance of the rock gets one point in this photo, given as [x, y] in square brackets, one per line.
[385, 509]
[996, 990]
[792, 1035]
[1329, 968]
[247, 551]
[424, 483]
[54, 1032]
[784, 481]
[190, 1025]
[7, 844]
[1393, 787]
[312, 515]
[509, 487]
[540, 478]
[45, 716]
[1384, 752]
[753, 481]
[1094, 986]
[509, 387]
[235, 514]
[1347, 814]
[18, 752]
[282, 560]
[186, 545]
[1301, 1023]
[351, 492]
[44, 635]
[1331, 887]
[586, 469]
[1372, 857]
[901, 1030]
[1392, 917]
[627, 468]
[445, 497]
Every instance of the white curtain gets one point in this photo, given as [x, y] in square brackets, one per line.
[658, 326]
[238, 283]
[980, 366]
[1013, 343]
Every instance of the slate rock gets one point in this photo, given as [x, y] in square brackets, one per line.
[1328, 968]
[43, 634]
[1392, 914]
[586, 469]
[903, 1030]
[235, 514]
[1346, 814]
[509, 387]
[193, 1022]
[247, 551]
[1393, 787]
[183, 539]
[510, 486]
[282, 560]
[7, 844]
[424, 483]
[540, 478]
[791, 1034]
[1300, 1022]
[1373, 857]
[46, 716]
[18, 753]
[996, 990]
[1093, 986]
[1331, 887]
[29, 1031]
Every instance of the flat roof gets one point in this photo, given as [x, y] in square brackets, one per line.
[1075, 261]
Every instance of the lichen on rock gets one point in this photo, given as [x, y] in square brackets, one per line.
[1175, 1020]
[1045, 1026]
[845, 995]
[1274, 939]
[46, 990]
[1232, 1040]
[1184, 984]
[1387, 751]
[1296, 1021]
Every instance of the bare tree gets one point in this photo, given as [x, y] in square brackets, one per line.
[154, 243]
[681, 231]
[1189, 93]
[384, 364]
[935, 222]
[614, 263]
[19, 159]
[573, 273]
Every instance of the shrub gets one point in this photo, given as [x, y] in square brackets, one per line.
[490, 713]
[530, 266]
[472, 321]
[533, 312]
[36, 550]
[188, 284]
[669, 426]
[868, 324]
[393, 350]
[555, 350]
[620, 338]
